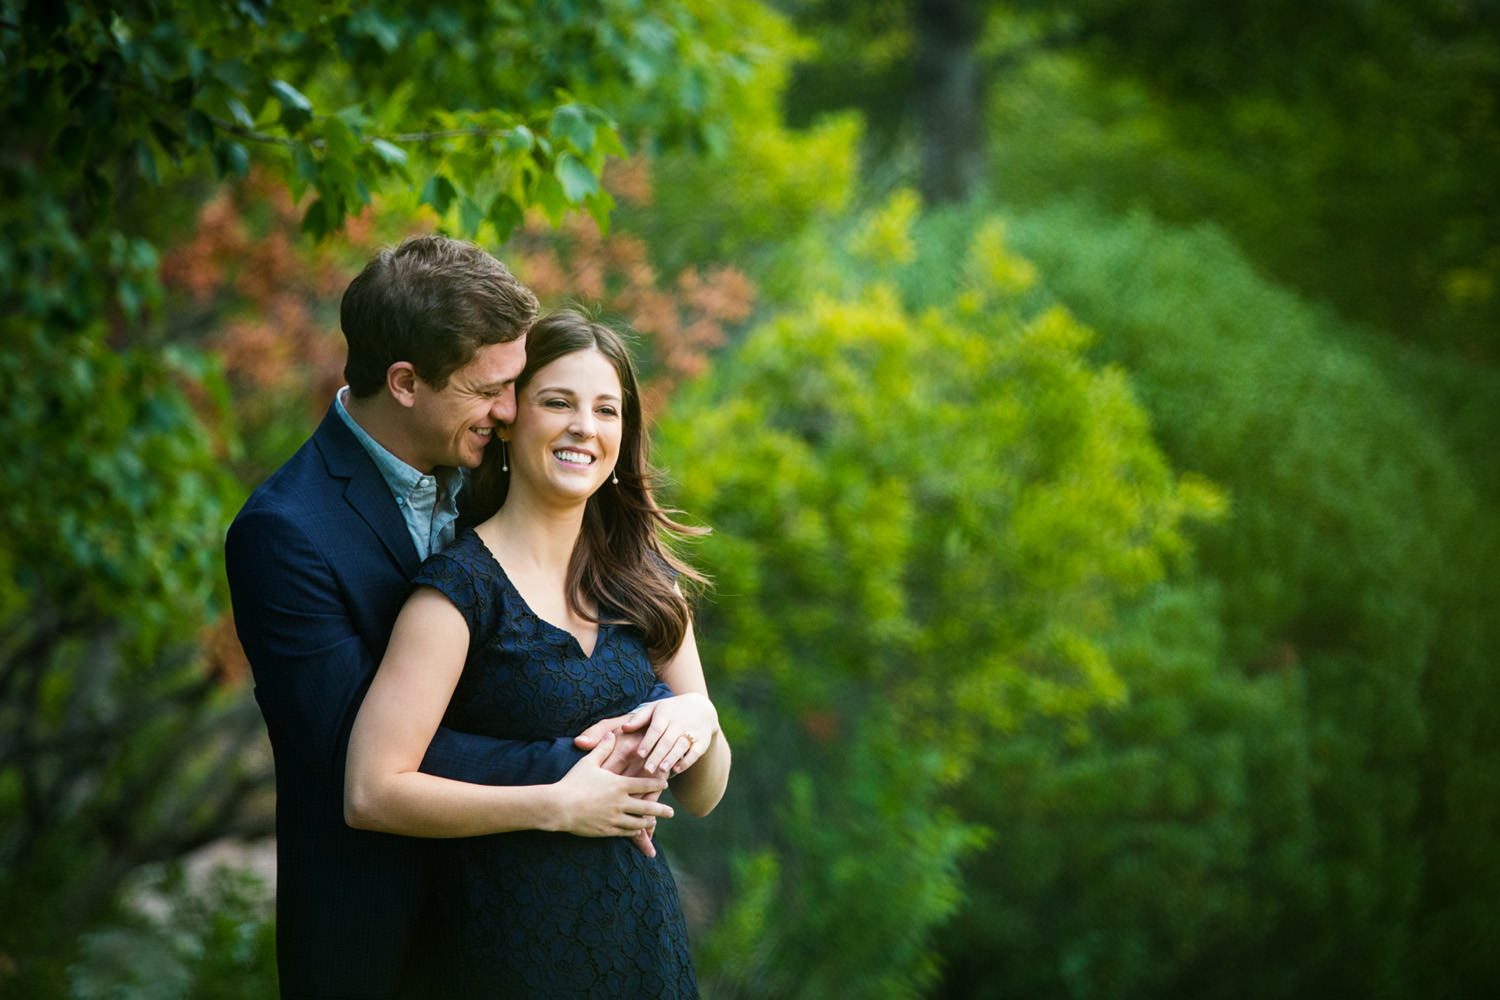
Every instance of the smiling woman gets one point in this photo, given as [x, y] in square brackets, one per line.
[559, 612]
[570, 438]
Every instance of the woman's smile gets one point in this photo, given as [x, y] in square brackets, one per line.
[568, 456]
[566, 436]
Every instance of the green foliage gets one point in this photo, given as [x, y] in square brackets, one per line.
[139, 475]
[1355, 559]
[1151, 859]
[764, 183]
[927, 515]
[209, 938]
[1348, 148]
[110, 532]
[489, 110]
[855, 822]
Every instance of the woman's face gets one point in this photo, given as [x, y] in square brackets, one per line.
[569, 422]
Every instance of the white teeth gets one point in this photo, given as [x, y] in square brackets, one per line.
[483, 431]
[574, 457]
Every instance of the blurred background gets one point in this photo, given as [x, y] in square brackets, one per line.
[1093, 402]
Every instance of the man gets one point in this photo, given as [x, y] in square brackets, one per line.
[319, 562]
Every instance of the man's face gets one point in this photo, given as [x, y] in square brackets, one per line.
[452, 425]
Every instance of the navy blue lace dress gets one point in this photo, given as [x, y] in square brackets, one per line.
[539, 914]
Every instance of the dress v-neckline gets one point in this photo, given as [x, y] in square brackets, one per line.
[588, 654]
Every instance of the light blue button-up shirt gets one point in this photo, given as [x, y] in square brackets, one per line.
[429, 503]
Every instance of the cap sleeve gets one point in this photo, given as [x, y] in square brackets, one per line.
[465, 574]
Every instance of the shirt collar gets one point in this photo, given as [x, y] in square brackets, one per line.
[402, 479]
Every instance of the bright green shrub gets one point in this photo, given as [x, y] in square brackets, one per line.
[925, 524]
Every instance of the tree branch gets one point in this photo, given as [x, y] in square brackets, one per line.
[235, 129]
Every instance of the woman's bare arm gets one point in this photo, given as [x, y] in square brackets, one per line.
[384, 790]
[700, 767]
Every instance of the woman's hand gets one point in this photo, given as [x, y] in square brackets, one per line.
[679, 730]
[594, 802]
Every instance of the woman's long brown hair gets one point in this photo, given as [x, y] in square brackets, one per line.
[622, 560]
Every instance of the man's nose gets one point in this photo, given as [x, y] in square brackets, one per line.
[504, 409]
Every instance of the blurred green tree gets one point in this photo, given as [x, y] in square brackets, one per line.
[926, 522]
[1352, 586]
[1349, 147]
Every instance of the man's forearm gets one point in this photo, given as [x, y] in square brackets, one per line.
[483, 760]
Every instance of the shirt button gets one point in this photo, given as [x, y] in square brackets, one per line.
[401, 501]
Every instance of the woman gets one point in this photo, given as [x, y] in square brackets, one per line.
[560, 609]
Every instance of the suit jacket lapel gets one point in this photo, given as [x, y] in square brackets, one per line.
[365, 490]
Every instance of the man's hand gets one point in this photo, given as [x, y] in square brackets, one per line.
[590, 737]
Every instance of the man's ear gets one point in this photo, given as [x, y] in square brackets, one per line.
[401, 381]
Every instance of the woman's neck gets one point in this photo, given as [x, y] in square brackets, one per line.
[533, 534]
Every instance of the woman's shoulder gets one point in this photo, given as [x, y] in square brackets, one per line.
[464, 554]
[466, 573]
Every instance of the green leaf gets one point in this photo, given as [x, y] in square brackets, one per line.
[239, 113]
[389, 153]
[343, 144]
[578, 181]
[505, 215]
[549, 197]
[315, 220]
[599, 206]
[235, 74]
[296, 110]
[568, 123]
[608, 141]
[200, 129]
[168, 139]
[438, 192]
[370, 23]
[470, 215]
[306, 163]
[518, 140]
[231, 159]
[145, 161]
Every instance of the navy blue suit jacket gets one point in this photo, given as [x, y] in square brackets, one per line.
[319, 562]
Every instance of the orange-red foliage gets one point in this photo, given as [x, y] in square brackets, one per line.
[682, 324]
[267, 298]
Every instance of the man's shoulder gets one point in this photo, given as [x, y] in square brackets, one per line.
[313, 473]
[301, 480]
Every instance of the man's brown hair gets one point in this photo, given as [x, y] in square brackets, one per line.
[433, 302]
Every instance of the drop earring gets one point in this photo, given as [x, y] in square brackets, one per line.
[504, 457]
[614, 478]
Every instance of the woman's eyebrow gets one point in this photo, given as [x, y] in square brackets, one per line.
[561, 390]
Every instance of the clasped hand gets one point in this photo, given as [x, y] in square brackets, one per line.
[597, 800]
[645, 746]
[674, 733]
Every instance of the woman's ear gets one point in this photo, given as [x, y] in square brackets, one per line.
[401, 382]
